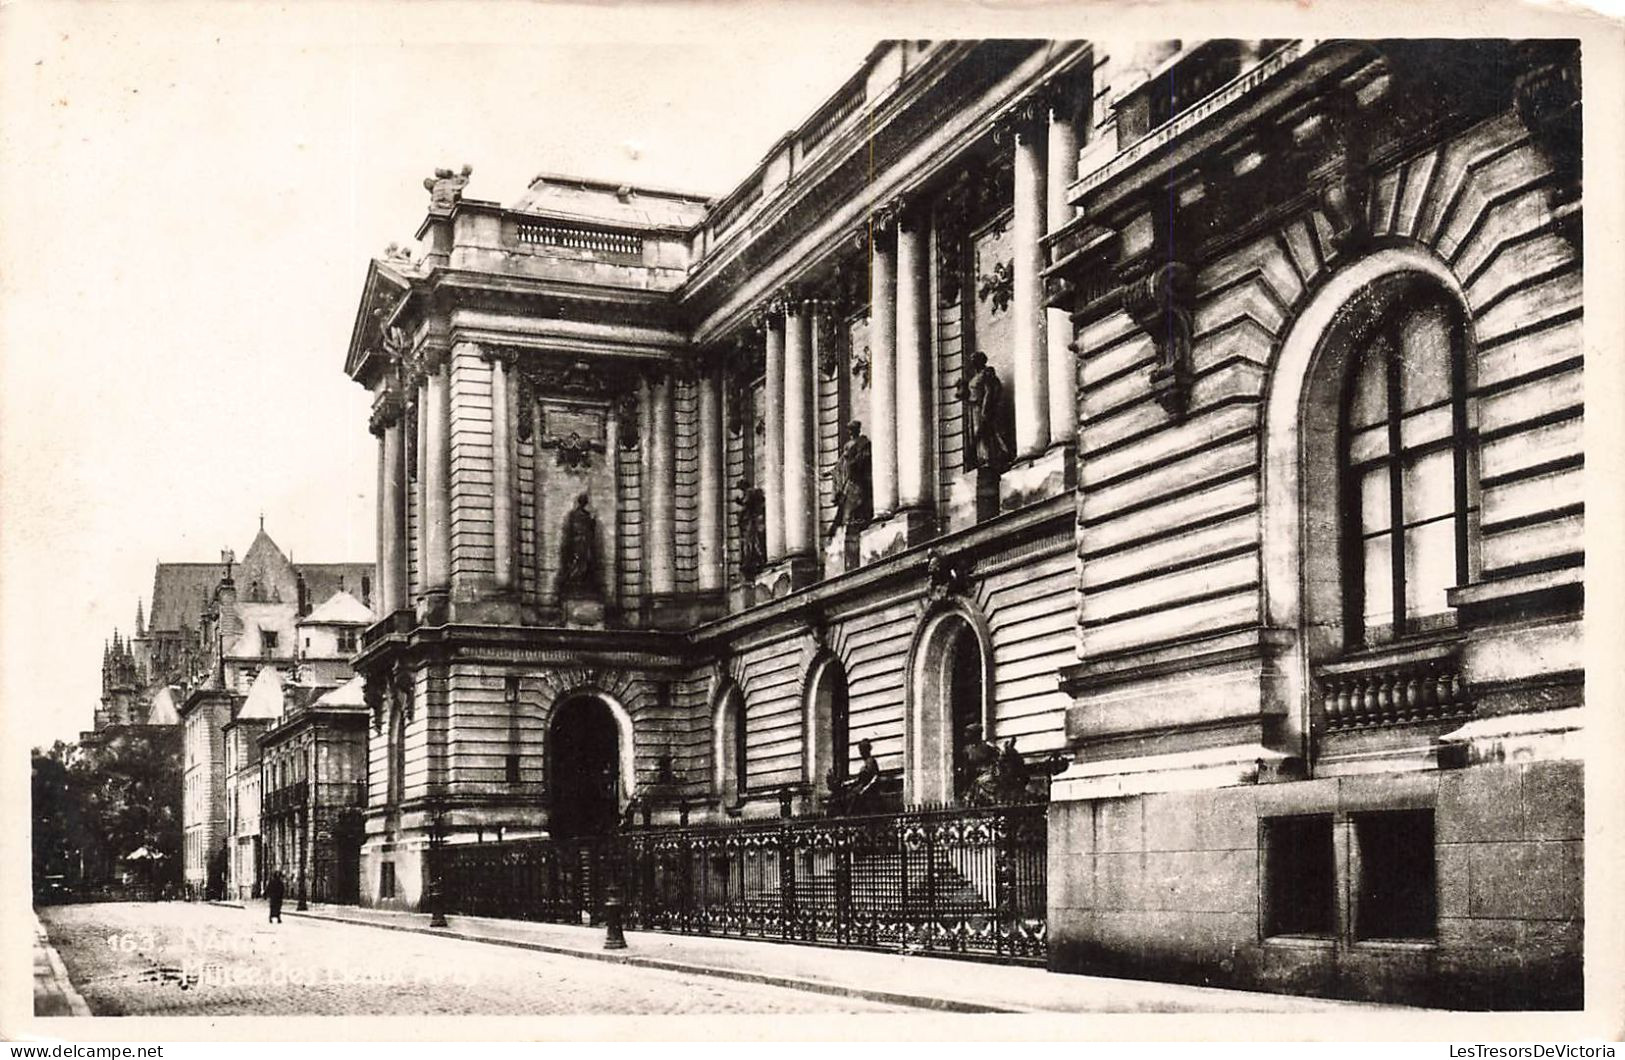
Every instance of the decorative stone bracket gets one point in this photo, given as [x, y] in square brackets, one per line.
[1160, 302]
[1547, 96]
[945, 577]
[1333, 132]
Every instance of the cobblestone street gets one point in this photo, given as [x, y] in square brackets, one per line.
[187, 959]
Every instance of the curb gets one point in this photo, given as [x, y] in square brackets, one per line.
[59, 972]
[813, 986]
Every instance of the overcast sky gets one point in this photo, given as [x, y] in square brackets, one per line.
[190, 197]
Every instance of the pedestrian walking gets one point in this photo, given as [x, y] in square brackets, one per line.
[274, 891]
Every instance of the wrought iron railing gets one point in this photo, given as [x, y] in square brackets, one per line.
[951, 881]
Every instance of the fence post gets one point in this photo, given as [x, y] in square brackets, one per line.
[1003, 885]
[927, 827]
[787, 878]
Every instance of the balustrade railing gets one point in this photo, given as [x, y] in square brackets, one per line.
[953, 881]
[1396, 693]
[601, 240]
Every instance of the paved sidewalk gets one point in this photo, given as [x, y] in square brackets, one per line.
[923, 982]
[54, 993]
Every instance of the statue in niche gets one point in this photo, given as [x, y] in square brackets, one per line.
[853, 478]
[578, 551]
[987, 428]
[752, 528]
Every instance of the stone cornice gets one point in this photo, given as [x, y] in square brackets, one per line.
[804, 245]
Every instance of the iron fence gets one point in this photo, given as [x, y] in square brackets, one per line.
[951, 881]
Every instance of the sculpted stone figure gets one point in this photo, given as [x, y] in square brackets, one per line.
[578, 551]
[853, 794]
[987, 428]
[853, 477]
[752, 528]
[446, 187]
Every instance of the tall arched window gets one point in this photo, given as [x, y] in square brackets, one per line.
[397, 753]
[1407, 469]
[728, 780]
[828, 743]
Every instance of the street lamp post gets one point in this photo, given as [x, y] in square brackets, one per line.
[437, 842]
[304, 833]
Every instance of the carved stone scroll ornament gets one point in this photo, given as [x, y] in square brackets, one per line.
[374, 689]
[1160, 303]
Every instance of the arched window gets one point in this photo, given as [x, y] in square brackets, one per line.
[397, 753]
[829, 749]
[950, 688]
[1407, 474]
[728, 778]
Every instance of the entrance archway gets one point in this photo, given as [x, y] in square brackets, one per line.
[951, 700]
[584, 767]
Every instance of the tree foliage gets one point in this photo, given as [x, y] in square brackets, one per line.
[93, 806]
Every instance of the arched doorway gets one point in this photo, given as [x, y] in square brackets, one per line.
[951, 692]
[584, 767]
[829, 751]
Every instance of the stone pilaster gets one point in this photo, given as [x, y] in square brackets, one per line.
[709, 545]
[437, 478]
[504, 513]
[661, 546]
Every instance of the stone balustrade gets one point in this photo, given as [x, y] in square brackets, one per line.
[1392, 692]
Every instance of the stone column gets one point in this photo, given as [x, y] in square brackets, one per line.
[392, 518]
[771, 477]
[1062, 171]
[1026, 303]
[914, 422]
[708, 516]
[436, 477]
[883, 366]
[800, 498]
[662, 544]
[504, 529]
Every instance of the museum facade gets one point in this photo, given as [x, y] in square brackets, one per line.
[1190, 432]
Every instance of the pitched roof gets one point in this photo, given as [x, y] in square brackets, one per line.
[264, 702]
[178, 592]
[162, 711]
[322, 580]
[339, 609]
[350, 694]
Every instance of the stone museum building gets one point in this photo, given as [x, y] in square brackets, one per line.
[1114, 507]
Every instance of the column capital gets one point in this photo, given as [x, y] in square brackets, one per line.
[1025, 120]
[507, 356]
[386, 411]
